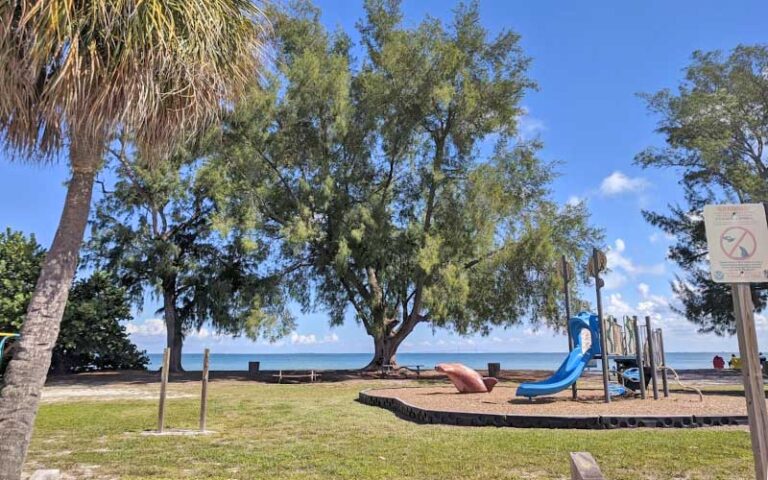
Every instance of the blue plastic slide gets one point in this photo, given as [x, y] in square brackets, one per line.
[574, 364]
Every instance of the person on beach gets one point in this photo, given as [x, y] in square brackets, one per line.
[718, 362]
[735, 362]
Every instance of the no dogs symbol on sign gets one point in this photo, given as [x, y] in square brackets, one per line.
[737, 237]
[738, 243]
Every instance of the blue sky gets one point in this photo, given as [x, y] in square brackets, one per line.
[590, 60]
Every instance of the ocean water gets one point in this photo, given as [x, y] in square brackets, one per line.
[339, 361]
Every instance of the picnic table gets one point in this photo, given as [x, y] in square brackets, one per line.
[388, 369]
[297, 377]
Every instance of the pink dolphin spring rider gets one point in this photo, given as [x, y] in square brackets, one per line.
[465, 379]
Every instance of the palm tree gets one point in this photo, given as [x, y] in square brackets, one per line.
[77, 73]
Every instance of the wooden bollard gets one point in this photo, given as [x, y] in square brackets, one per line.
[163, 389]
[204, 390]
[494, 369]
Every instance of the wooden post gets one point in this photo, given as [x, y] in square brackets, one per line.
[639, 356]
[163, 389]
[494, 369]
[567, 292]
[652, 357]
[753, 378]
[664, 379]
[204, 390]
[603, 340]
[584, 467]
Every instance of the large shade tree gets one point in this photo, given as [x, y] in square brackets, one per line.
[74, 73]
[716, 130]
[155, 232]
[380, 174]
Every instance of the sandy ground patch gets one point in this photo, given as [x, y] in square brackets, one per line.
[142, 392]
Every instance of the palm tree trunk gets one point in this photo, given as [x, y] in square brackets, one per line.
[26, 373]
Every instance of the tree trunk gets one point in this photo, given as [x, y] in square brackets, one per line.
[385, 351]
[26, 373]
[174, 334]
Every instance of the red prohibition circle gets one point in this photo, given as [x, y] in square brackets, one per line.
[742, 240]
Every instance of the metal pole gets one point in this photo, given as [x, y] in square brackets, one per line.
[603, 343]
[566, 290]
[204, 391]
[639, 356]
[163, 389]
[664, 380]
[753, 378]
[652, 357]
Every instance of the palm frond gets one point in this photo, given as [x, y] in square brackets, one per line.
[159, 69]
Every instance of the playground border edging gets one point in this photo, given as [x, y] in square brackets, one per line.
[420, 415]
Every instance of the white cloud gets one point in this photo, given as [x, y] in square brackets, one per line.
[150, 327]
[528, 126]
[761, 322]
[614, 280]
[657, 307]
[297, 339]
[311, 339]
[624, 268]
[574, 200]
[618, 183]
[617, 306]
[656, 237]
[531, 332]
[332, 338]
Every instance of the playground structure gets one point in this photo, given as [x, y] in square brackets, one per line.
[638, 353]
[4, 339]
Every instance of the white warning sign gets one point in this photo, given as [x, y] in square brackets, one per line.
[737, 237]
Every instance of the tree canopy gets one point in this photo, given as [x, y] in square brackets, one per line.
[716, 129]
[20, 260]
[92, 336]
[379, 175]
[154, 232]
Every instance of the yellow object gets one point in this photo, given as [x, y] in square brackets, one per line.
[735, 363]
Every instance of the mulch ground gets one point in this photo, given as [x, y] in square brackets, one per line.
[502, 400]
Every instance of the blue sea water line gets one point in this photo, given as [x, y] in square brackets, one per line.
[339, 361]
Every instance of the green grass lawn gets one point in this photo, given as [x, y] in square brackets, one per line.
[320, 431]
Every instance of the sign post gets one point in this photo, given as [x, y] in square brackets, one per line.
[737, 238]
[596, 265]
[568, 274]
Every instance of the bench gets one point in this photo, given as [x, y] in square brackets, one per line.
[297, 377]
[387, 369]
[417, 368]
